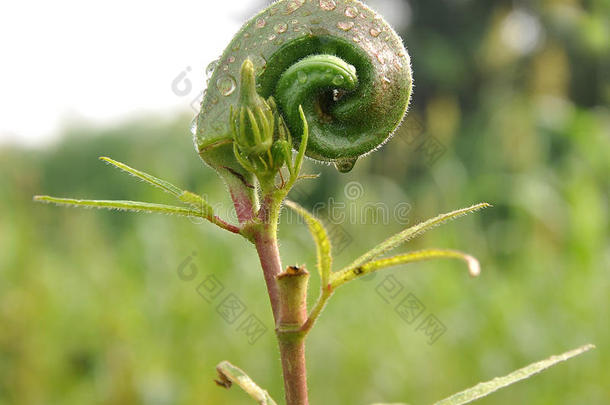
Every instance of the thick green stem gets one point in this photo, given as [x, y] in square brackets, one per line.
[292, 315]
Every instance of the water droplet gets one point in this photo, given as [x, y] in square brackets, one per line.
[231, 59]
[374, 32]
[211, 67]
[345, 165]
[280, 28]
[338, 80]
[385, 82]
[301, 76]
[345, 25]
[272, 37]
[351, 12]
[225, 85]
[260, 23]
[328, 5]
[293, 22]
[194, 125]
[294, 5]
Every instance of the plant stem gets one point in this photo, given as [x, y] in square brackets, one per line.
[293, 313]
[269, 256]
[288, 297]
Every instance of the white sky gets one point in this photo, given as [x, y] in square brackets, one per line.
[102, 61]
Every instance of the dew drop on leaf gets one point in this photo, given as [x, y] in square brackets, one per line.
[226, 85]
[280, 28]
[345, 25]
[301, 76]
[294, 5]
[260, 23]
[211, 67]
[328, 5]
[338, 80]
[351, 12]
[194, 125]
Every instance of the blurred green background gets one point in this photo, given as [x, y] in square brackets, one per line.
[510, 107]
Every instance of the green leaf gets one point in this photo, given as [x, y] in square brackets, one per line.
[135, 206]
[162, 184]
[411, 233]
[320, 237]
[187, 197]
[483, 389]
[228, 374]
[350, 273]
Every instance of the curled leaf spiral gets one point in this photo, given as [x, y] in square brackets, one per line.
[337, 58]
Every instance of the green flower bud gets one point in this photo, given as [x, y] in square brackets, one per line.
[252, 121]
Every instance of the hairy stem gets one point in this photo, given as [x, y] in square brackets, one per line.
[287, 294]
[269, 256]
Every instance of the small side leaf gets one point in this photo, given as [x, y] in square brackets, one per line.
[341, 277]
[483, 389]
[162, 184]
[135, 206]
[412, 232]
[320, 237]
[229, 374]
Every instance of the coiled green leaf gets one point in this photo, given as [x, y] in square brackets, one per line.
[337, 58]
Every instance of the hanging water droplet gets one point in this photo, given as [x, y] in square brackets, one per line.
[328, 5]
[294, 5]
[351, 12]
[374, 32]
[301, 76]
[260, 23]
[345, 165]
[280, 28]
[345, 25]
[338, 80]
[211, 67]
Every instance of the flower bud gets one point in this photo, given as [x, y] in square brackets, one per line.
[252, 121]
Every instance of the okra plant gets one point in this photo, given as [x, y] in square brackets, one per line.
[326, 79]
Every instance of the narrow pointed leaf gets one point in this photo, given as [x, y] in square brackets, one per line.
[341, 277]
[298, 160]
[185, 196]
[320, 237]
[228, 375]
[483, 389]
[162, 184]
[135, 206]
[412, 232]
